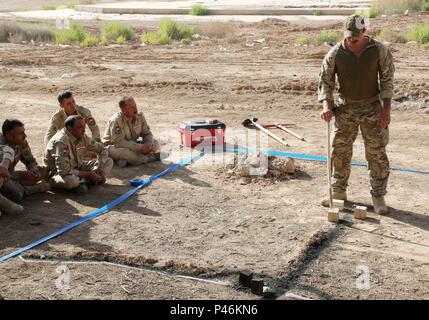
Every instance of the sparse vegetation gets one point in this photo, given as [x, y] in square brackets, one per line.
[90, 41]
[67, 5]
[198, 10]
[317, 13]
[389, 35]
[327, 36]
[168, 30]
[400, 6]
[50, 7]
[18, 32]
[303, 41]
[72, 35]
[419, 33]
[372, 12]
[116, 32]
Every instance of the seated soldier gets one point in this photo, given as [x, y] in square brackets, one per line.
[15, 184]
[128, 136]
[69, 108]
[64, 158]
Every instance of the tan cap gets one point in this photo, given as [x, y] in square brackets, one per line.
[354, 25]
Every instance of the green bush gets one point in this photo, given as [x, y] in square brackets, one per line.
[317, 13]
[302, 41]
[113, 31]
[372, 12]
[50, 7]
[18, 32]
[74, 34]
[155, 38]
[399, 6]
[419, 33]
[327, 36]
[391, 36]
[168, 30]
[90, 41]
[198, 10]
[174, 30]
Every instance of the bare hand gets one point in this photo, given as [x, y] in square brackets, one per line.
[94, 177]
[326, 115]
[31, 176]
[4, 173]
[384, 118]
[146, 148]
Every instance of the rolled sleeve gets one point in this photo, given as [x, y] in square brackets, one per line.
[327, 76]
[386, 73]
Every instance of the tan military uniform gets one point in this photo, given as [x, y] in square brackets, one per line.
[363, 81]
[122, 138]
[65, 157]
[15, 188]
[57, 123]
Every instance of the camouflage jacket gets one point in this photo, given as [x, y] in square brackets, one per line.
[64, 154]
[123, 133]
[57, 123]
[364, 78]
[21, 153]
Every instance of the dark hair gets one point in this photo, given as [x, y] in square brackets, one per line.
[64, 95]
[9, 125]
[123, 101]
[71, 120]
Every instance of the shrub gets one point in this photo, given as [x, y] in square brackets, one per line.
[419, 33]
[90, 41]
[399, 6]
[317, 13]
[372, 12]
[168, 30]
[303, 41]
[391, 36]
[50, 7]
[113, 31]
[198, 10]
[155, 38]
[74, 34]
[18, 32]
[327, 36]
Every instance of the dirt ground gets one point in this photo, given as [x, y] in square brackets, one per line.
[195, 221]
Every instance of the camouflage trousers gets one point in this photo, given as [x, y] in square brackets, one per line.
[348, 120]
[71, 181]
[133, 158]
[16, 188]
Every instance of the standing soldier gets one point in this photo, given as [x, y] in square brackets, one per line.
[15, 184]
[64, 158]
[69, 108]
[128, 136]
[364, 68]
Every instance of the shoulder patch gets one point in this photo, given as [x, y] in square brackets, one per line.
[118, 130]
[91, 121]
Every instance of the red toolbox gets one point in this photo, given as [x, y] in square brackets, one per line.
[202, 133]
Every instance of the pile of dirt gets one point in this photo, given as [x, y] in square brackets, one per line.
[257, 167]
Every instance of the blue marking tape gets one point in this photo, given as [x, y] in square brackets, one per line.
[141, 184]
[312, 158]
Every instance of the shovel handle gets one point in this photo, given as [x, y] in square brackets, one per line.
[281, 127]
[329, 162]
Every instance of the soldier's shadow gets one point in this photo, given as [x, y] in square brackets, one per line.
[418, 220]
[44, 214]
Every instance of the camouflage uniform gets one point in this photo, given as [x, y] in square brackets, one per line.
[15, 188]
[64, 158]
[57, 123]
[122, 138]
[363, 82]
